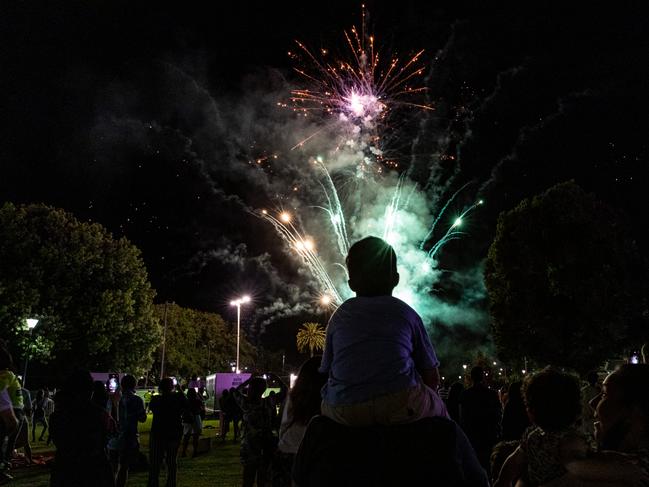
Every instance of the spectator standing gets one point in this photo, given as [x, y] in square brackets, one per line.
[79, 434]
[9, 424]
[192, 421]
[18, 404]
[124, 448]
[302, 403]
[42, 407]
[166, 432]
[233, 412]
[515, 419]
[453, 401]
[554, 405]
[257, 442]
[225, 414]
[480, 416]
[22, 438]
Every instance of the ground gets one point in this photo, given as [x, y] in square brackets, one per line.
[220, 466]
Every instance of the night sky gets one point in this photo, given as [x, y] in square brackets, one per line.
[148, 118]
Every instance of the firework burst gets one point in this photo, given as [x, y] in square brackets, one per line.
[357, 88]
[352, 98]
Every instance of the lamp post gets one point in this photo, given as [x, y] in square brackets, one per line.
[31, 324]
[238, 303]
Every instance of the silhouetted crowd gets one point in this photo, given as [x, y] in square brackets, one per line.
[372, 411]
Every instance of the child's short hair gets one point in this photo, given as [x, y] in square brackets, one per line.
[553, 399]
[372, 267]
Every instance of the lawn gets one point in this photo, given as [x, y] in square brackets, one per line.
[218, 467]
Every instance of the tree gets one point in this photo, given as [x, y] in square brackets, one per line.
[90, 292]
[566, 284]
[312, 337]
[198, 342]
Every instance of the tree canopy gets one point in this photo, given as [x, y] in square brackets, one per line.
[198, 343]
[311, 337]
[89, 291]
[566, 284]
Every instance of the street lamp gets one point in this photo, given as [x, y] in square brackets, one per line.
[238, 303]
[31, 324]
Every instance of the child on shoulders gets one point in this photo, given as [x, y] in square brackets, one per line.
[381, 365]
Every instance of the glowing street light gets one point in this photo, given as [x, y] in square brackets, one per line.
[31, 324]
[238, 303]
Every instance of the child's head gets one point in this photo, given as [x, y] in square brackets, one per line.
[372, 267]
[552, 398]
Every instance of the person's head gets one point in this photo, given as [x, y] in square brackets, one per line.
[99, 393]
[166, 385]
[477, 375]
[372, 267]
[552, 399]
[225, 393]
[40, 394]
[79, 383]
[305, 394]
[6, 361]
[592, 377]
[622, 409]
[128, 383]
[191, 393]
[256, 387]
[232, 389]
[514, 392]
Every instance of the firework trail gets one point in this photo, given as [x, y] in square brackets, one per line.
[354, 98]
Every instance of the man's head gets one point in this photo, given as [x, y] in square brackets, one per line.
[128, 382]
[166, 385]
[372, 267]
[477, 375]
[552, 399]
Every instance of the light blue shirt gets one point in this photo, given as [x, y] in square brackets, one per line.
[374, 346]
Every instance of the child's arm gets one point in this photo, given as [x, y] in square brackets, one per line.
[512, 469]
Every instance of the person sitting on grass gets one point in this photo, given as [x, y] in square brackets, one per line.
[381, 364]
[553, 402]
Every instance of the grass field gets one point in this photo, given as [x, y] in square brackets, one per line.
[219, 467]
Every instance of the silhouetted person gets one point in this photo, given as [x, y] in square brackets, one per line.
[233, 412]
[192, 420]
[453, 401]
[515, 419]
[554, 404]
[78, 432]
[302, 404]
[588, 393]
[480, 416]
[125, 447]
[166, 431]
[257, 442]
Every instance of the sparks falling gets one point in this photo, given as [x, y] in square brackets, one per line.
[358, 90]
[357, 96]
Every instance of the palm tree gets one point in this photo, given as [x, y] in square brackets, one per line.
[311, 336]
